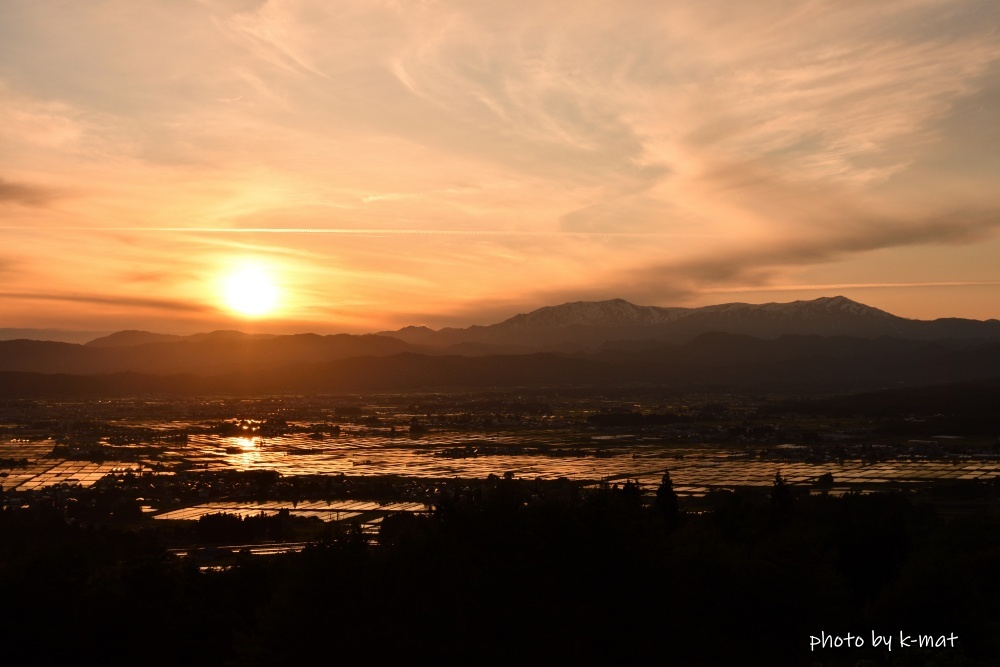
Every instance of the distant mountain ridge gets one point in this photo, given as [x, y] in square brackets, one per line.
[132, 337]
[57, 335]
[591, 342]
[216, 352]
[591, 324]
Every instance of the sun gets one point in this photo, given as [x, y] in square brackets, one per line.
[249, 290]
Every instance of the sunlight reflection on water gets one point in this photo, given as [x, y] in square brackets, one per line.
[547, 454]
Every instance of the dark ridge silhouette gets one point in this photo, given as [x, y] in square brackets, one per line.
[132, 337]
[58, 335]
[216, 352]
[795, 363]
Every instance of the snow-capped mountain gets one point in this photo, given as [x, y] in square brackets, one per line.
[584, 324]
[822, 307]
[613, 313]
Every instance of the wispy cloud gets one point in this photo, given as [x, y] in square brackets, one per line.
[117, 301]
[758, 266]
[26, 195]
[840, 286]
[387, 232]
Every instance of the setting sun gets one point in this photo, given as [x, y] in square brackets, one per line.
[250, 290]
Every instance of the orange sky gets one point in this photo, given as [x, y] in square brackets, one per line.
[449, 163]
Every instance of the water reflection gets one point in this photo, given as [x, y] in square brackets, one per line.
[243, 452]
[544, 453]
[241, 444]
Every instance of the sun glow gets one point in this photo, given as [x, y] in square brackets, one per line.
[249, 290]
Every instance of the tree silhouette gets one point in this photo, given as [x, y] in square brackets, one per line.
[781, 498]
[666, 500]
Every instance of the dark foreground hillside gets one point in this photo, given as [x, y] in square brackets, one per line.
[514, 573]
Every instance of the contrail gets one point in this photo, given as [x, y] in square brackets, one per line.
[374, 232]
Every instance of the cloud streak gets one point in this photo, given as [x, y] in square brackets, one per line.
[840, 286]
[115, 301]
[748, 267]
[26, 195]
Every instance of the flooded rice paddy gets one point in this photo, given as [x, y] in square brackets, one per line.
[35, 465]
[694, 469]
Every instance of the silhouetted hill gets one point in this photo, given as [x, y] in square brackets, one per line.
[132, 337]
[216, 352]
[58, 335]
[793, 363]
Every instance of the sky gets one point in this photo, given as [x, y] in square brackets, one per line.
[373, 164]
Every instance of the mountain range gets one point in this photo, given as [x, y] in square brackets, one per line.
[825, 342]
[594, 324]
